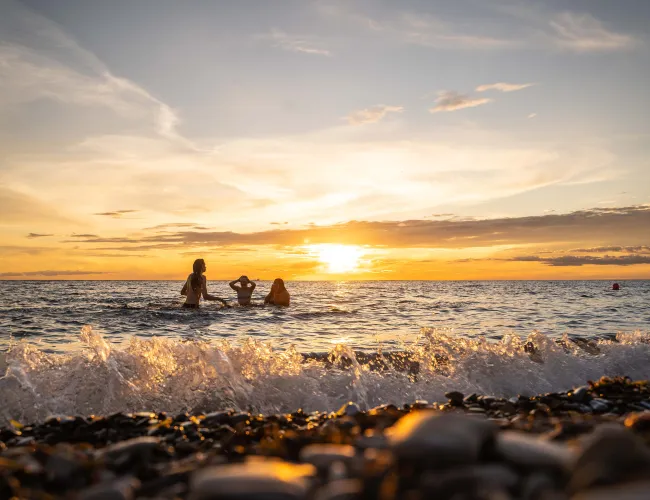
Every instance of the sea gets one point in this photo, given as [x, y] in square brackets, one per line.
[100, 347]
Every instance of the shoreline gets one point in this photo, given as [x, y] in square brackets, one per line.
[548, 443]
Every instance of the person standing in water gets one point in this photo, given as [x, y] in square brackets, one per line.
[244, 290]
[196, 286]
[278, 295]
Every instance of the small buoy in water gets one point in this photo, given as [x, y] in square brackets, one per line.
[616, 286]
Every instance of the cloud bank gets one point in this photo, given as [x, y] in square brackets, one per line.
[596, 225]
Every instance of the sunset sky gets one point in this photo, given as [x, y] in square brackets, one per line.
[325, 139]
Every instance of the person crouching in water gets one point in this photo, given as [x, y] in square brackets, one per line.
[244, 290]
[278, 295]
[197, 285]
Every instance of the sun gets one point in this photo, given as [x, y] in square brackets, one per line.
[338, 258]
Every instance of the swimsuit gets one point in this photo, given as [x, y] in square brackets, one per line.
[188, 285]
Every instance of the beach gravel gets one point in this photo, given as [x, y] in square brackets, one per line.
[589, 443]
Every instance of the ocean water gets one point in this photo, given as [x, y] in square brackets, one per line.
[96, 347]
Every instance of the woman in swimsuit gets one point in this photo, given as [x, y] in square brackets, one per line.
[196, 285]
[244, 290]
[278, 295]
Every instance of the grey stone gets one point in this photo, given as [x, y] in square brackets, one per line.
[438, 439]
[117, 490]
[455, 398]
[253, 480]
[216, 418]
[349, 409]
[610, 455]
[61, 468]
[600, 405]
[322, 456]
[238, 418]
[631, 491]
[475, 477]
[346, 489]
[377, 441]
[136, 447]
[539, 486]
[523, 451]
[580, 395]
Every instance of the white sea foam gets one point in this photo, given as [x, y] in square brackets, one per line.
[163, 374]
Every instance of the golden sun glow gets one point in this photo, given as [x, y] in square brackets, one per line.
[338, 258]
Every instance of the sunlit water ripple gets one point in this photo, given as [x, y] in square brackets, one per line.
[102, 347]
[364, 315]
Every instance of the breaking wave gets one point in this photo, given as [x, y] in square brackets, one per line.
[163, 374]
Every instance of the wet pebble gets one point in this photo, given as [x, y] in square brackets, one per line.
[600, 405]
[116, 490]
[610, 455]
[322, 456]
[526, 452]
[349, 409]
[272, 480]
[631, 491]
[347, 489]
[455, 398]
[440, 440]
[580, 395]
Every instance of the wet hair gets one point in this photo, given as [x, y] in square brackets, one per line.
[280, 283]
[197, 270]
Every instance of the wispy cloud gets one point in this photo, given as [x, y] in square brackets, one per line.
[532, 115]
[536, 27]
[585, 260]
[585, 33]
[372, 114]
[294, 43]
[172, 225]
[504, 87]
[38, 235]
[51, 274]
[639, 249]
[453, 101]
[430, 31]
[31, 70]
[117, 214]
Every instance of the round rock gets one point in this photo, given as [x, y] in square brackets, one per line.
[256, 480]
[530, 453]
[440, 440]
[322, 456]
[610, 455]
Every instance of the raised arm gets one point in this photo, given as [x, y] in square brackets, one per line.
[233, 283]
[207, 296]
[253, 285]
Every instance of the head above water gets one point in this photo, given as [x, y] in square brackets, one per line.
[199, 266]
[279, 284]
[244, 279]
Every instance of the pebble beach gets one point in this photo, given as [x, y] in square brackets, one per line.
[588, 443]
